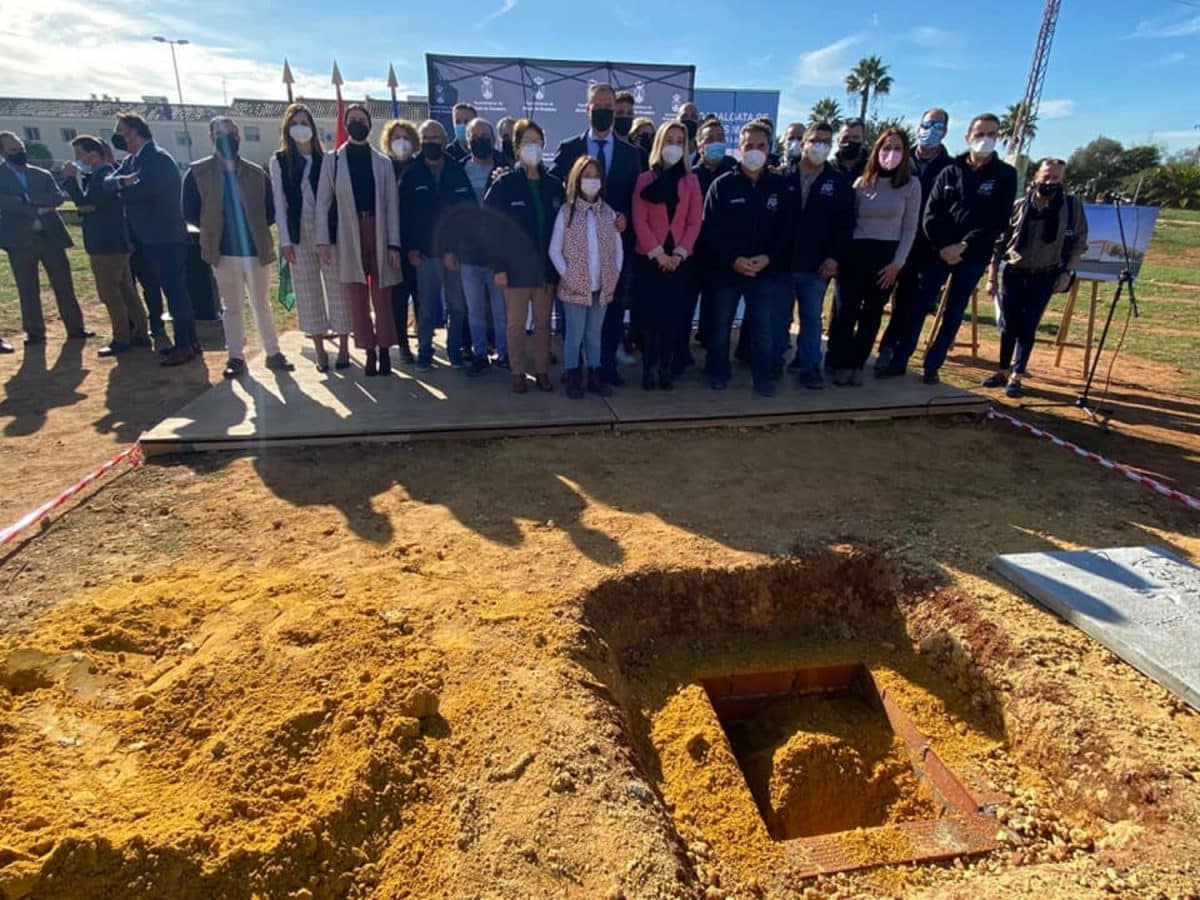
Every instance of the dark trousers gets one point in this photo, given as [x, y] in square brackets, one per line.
[667, 300]
[764, 296]
[1024, 297]
[151, 292]
[916, 297]
[963, 279]
[859, 303]
[166, 271]
[402, 295]
[904, 299]
[53, 258]
[614, 320]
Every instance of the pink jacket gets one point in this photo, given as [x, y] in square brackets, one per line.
[650, 219]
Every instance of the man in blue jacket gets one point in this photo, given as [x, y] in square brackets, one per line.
[150, 186]
[106, 240]
[622, 164]
[823, 224]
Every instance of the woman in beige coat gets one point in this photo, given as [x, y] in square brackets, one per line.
[358, 186]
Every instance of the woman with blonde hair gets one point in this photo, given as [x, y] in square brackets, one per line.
[667, 208]
[399, 141]
[295, 170]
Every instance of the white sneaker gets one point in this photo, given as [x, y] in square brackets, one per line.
[625, 358]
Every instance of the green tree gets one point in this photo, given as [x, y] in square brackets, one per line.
[1104, 165]
[1176, 184]
[869, 78]
[1008, 123]
[876, 127]
[826, 110]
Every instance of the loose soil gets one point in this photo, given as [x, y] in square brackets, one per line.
[470, 669]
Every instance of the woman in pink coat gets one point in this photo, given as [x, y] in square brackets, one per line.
[666, 220]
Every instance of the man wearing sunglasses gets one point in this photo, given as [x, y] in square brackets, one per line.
[929, 157]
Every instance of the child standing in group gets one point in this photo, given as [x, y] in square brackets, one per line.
[586, 250]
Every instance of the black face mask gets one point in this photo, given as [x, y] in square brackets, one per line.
[850, 149]
[358, 130]
[431, 150]
[481, 148]
[622, 125]
[506, 145]
[119, 142]
[645, 141]
[602, 119]
[690, 126]
[1049, 190]
[227, 146]
[19, 158]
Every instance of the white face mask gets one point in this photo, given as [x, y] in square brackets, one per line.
[671, 154]
[818, 153]
[83, 168]
[402, 148]
[531, 154]
[753, 160]
[982, 146]
[301, 134]
[794, 149]
[589, 187]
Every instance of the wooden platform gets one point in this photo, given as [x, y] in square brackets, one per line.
[305, 407]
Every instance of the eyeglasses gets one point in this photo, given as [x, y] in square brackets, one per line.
[934, 124]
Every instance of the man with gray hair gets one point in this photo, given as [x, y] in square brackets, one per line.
[230, 200]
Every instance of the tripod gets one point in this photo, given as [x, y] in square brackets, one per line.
[1124, 282]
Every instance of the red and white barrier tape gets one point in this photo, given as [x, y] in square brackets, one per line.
[131, 454]
[1157, 486]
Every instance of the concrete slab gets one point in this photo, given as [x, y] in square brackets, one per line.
[1143, 603]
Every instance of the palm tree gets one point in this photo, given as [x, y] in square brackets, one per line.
[1008, 123]
[869, 77]
[826, 110]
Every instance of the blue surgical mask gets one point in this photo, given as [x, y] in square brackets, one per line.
[714, 152]
[930, 134]
[460, 133]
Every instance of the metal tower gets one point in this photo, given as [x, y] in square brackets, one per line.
[1018, 144]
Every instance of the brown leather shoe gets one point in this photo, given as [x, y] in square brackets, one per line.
[178, 357]
[518, 384]
[543, 382]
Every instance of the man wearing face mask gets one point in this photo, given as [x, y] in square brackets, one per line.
[149, 184]
[823, 224]
[623, 115]
[504, 128]
[430, 188]
[969, 205]
[929, 156]
[747, 230]
[689, 117]
[230, 200]
[852, 150]
[33, 233]
[460, 148]
[622, 163]
[1036, 256]
[714, 161]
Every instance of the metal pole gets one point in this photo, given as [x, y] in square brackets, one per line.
[182, 111]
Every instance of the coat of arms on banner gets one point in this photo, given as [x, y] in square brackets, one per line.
[541, 89]
[439, 93]
[676, 102]
[486, 90]
[639, 92]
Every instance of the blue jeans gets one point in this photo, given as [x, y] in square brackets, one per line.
[810, 298]
[963, 279]
[481, 293]
[432, 280]
[614, 318]
[765, 297]
[584, 326]
[166, 268]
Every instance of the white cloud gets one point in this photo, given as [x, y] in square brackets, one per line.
[1056, 109]
[108, 49]
[1170, 59]
[505, 8]
[1158, 28]
[827, 66]
[933, 38]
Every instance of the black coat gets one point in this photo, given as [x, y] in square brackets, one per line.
[746, 218]
[104, 229]
[154, 205]
[971, 205]
[707, 176]
[522, 253]
[823, 227]
[623, 171]
[424, 200]
[933, 168]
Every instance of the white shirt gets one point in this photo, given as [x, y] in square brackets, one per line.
[593, 239]
[276, 175]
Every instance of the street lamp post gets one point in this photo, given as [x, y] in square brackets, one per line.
[183, 112]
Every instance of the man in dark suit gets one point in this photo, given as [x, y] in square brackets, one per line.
[32, 232]
[622, 163]
[150, 186]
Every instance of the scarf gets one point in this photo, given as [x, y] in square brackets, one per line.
[665, 189]
[1049, 215]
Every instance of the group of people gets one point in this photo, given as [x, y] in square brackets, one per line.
[613, 243]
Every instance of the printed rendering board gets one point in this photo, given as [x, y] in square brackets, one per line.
[1104, 257]
[1143, 603]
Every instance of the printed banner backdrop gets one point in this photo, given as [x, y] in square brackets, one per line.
[552, 92]
[1104, 257]
[737, 107]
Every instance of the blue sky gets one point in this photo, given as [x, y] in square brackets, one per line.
[1123, 69]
